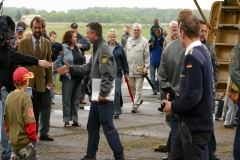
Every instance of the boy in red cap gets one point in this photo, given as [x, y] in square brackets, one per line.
[19, 120]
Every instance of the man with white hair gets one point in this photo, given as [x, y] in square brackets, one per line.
[174, 33]
[137, 52]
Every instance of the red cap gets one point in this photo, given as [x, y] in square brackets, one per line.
[21, 75]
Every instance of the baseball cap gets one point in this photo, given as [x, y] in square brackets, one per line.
[21, 75]
[56, 48]
[74, 25]
[19, 29]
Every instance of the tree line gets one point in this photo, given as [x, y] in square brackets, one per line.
[103, 14]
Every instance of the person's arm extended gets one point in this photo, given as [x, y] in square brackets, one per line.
[25, 60]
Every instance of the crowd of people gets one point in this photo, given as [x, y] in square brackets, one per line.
[184, 59]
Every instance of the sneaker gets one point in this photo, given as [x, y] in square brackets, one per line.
[155, 93]
[88, 157]
[213, 157]
[134, 110]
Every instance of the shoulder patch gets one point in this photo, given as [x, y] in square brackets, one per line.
[104, 60]
[191, 51]
[182, 75]
[30, 112]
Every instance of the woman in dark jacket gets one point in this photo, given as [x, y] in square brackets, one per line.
[122, 67]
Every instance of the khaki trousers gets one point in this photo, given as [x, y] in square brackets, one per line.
[136, 84]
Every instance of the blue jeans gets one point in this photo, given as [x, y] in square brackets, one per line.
[117, 98]
[101, 114]
[231, 113]
[71, 93]
[219, 109]
[6, 148]
[54, 81]
[155, 83]
[236, 147]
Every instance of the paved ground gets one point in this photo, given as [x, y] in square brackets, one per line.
[139, 133]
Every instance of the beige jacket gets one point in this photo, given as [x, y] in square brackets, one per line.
[137, 53]
[168, 40]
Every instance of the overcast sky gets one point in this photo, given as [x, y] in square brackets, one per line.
[64, 5]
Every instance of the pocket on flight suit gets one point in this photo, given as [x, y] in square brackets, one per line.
[103, 112]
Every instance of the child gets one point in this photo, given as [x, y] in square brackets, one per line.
[155, 56]
[232, 107]
[19, 120]
[153, 29]
[19, 35]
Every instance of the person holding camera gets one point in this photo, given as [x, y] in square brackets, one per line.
[194, 105]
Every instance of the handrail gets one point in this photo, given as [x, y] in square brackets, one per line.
[200, 11]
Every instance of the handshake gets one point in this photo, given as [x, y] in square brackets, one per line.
[171, 95]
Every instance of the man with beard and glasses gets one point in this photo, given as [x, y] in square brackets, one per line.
[40, 48]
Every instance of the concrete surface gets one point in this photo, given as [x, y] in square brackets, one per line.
[139, 132]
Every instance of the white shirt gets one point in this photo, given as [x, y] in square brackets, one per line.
[193, 44]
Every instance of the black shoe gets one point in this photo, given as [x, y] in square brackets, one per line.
[141, 102]
[116, 116]
[122, 158]
[166, 157]
[46, 138]
[88, 157]
[228, 126]
[213, 157]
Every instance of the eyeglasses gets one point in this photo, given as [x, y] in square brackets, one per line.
[136, 30]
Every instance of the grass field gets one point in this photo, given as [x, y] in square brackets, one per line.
[61, 28]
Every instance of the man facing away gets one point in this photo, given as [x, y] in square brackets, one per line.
[103, 70]
[194, 105]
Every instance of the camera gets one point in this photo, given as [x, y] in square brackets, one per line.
[167, 87]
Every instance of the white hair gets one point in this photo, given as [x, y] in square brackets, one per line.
[137, 25]
[173, 22]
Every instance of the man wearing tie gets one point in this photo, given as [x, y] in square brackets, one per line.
[40, 48]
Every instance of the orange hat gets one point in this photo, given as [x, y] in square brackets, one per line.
[21, 75]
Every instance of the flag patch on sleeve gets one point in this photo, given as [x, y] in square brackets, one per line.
[189, 65]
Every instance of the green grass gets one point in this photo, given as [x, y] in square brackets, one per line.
[61, 28]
